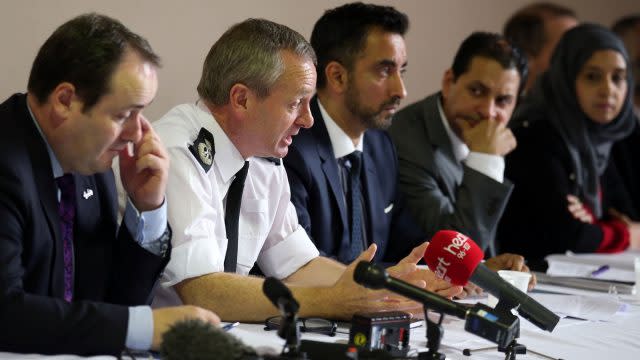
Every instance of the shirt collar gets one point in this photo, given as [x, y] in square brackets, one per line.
[460, 149]
[227, 157]
[55, 164]
[340, 141]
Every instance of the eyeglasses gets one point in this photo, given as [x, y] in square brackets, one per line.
[312, 325]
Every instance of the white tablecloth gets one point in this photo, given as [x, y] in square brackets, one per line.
[618, 338]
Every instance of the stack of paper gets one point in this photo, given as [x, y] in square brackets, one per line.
[619, 267]
[583, 307]
[612, 273]
[611, 287]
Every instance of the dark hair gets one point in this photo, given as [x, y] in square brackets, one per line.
[491, 46]
[85, 52]
[249, 53]
[341, 33]
[525, 28]
[621, 26]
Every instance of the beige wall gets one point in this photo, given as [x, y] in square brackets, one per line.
[183, 31]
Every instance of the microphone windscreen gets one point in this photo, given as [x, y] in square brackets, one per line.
[275, 290]
[195, 339]
[453, 256]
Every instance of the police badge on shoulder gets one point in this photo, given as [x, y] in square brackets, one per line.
[203, 149]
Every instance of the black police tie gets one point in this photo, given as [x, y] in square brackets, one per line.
[232, 217]
[354, 165]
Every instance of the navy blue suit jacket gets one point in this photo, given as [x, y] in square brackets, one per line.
[112, 272]
[317, 193]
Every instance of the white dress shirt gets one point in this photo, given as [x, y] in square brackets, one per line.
[340, 141]
[487, 164]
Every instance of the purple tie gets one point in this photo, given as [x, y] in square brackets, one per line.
[67, 211]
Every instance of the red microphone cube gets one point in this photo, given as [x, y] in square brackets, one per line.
[453, 256]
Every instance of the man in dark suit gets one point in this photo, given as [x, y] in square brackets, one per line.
[451, 144]
[71, 279]
[361, 57]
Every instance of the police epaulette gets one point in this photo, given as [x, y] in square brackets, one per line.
[203, 149]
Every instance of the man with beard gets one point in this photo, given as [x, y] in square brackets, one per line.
[451, 145]
[342, 171]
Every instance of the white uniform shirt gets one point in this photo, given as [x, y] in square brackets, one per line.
[268, 228]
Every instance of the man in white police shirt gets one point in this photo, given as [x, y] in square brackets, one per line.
[257, 82]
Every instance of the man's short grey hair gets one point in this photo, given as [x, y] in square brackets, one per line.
[249, 53]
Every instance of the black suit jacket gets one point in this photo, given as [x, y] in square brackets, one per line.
[111, 270]
[317, 193]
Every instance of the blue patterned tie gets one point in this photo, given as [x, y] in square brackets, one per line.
[354, 165]
[67, 211]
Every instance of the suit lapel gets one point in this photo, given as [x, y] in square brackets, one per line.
[328, 159]
[372, 197]
[47, 193]
[443, 156]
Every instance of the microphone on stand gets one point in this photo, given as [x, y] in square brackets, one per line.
[480, 319]
[281, 297]
[455, 258]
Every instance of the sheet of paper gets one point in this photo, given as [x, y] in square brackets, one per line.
[566, 268]
[622, 260]
[597, 308]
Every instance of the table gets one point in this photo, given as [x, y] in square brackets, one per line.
[618, 338]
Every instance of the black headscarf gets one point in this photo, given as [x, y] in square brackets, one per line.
[589, 143]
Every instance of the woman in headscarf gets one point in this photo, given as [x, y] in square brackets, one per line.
[565, 197]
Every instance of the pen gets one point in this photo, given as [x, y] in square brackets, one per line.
[230, 326]
[600, 270]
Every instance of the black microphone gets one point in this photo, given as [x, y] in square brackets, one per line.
[197, 340]
[375, 277]
[511, 297]
[481, 320]
[280, 295]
